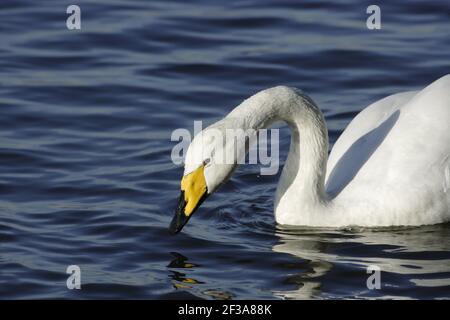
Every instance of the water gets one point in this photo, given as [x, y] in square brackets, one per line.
[86, 117]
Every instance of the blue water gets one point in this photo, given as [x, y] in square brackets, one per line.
[86, 117]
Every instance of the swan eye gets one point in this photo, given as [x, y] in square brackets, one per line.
[206, 161]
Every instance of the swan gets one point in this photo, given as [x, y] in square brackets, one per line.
[390, 167]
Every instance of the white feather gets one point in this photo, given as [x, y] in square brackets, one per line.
[389, 167]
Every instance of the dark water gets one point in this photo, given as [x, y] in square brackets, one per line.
[85, 171]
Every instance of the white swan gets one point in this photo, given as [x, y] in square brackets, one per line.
[390, 167]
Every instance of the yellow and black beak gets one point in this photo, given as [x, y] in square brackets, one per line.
[193, 192]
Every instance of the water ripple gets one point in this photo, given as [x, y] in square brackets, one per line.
[85, 171]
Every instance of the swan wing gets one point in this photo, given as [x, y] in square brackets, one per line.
[357, 140]
[395, 158]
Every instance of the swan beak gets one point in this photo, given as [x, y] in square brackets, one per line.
[193, 192]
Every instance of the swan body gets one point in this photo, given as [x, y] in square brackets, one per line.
[390, 167]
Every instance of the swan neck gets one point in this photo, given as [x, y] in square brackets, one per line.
[305, 167]
[304, 171]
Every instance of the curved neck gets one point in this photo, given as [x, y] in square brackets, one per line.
[305, 167]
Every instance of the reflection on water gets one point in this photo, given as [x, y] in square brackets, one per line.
[403, 255]
[311, 263]
[179, 279]
[182, 281]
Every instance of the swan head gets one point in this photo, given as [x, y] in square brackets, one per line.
[210, 161]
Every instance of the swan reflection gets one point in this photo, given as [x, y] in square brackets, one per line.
[331, 254]
[181, 281]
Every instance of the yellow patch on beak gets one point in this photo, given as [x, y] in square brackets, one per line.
[194, 187]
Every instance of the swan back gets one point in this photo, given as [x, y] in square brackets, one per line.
[389, 166]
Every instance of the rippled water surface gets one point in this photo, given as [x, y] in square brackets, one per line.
[86, 117]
